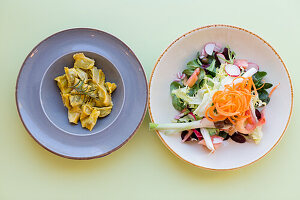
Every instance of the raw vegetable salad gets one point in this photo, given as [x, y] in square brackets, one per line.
[219, 97]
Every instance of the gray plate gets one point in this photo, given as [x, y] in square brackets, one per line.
[40, 106]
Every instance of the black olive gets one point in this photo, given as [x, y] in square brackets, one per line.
[204, 60]
[183, 134]
[258, 114]
[239, 138]
[227, 137]
[227, 121]
[217, 60]
[219, 124]
[194, 136]
[226, 53]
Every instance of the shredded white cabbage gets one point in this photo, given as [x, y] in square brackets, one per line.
[182, 93]
[208, 90]
[257, 134]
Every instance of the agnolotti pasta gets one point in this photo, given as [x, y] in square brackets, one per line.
[84, 92]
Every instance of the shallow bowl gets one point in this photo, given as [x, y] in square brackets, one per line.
[40, 106]
[247, 45]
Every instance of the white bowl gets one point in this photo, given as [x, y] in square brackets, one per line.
[247, 45]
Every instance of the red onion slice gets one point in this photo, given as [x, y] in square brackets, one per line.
[198, 134]
[221, 58]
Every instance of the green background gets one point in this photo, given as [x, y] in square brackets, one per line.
[143, 168]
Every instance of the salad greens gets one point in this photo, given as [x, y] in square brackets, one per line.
[218, 97]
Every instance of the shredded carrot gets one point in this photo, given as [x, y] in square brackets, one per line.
[274, 88]
[233, 102]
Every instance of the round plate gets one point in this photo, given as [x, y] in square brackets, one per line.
[40, 106]
[246, 45]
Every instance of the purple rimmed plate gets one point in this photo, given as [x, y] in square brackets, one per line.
[40, 106]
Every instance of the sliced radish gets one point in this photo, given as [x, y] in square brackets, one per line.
[218, 47]
[232, 70]
[241, 63]
[203, 54]
[209, 48]
[250, 72]
[253, 65]
[221, 58]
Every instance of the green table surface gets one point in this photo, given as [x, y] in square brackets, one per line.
[143, 168]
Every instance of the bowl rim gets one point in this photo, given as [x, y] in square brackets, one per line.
[236, 28]
[32, 52]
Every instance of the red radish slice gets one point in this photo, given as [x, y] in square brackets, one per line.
[253, 65]
[232, 70]
[203, 54]
[218, 47]
[209, 48]
[221, 58]
[241, 63]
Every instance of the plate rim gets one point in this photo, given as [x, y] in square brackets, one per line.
[88, 157]
[236, 28]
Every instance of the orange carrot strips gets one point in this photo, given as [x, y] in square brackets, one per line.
[274, 88]
[232, 103]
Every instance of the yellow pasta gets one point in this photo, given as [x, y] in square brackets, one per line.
[104, 111]
[84, 92]
[66, 100]
[110, 87]
[83, 62]
[62, 83]
[74, 114]
[90, 121]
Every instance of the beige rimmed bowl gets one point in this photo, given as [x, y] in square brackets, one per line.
[247, 45]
